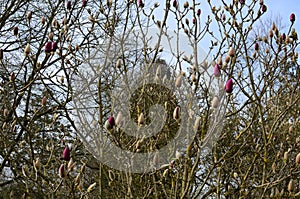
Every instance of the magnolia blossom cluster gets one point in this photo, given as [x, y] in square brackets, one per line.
[66, 156]
[217, 68]
[110, 123]
[50, 46]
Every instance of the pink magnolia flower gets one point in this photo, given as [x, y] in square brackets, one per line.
[16, 30]
[292, 17]
[175, 4]
[68, 5]
[229, 86]
[140, 3]
[48, 47]
[66, 154]
[264, 8]
[283, 36]
[84, 3]
[111, 120]
[256, 46]
[217, 71]
[110, 123]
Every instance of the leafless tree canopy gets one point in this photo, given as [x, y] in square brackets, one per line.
[54, 54]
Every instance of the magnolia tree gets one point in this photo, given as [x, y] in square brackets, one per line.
[118, 99]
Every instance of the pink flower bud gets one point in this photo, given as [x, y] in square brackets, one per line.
[242, 2]
[194, 20]
[48, 47]
[283, 36]
[62, 172]
[217, 71]
[261, 2]
[109, 124]
[111, 120]
[223, 17]
[66, 154]
[229, 86]
[198, 12]
[68, 5]
[84, 3]
[175, 5]
[176, 114]
[140, 4]
[15, 30]
[264, 8]
[292, 17]
[54, 46]
[256, 46]
[187, 21]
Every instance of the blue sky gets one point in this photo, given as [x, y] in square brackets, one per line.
[284, 8]
[276, 8]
